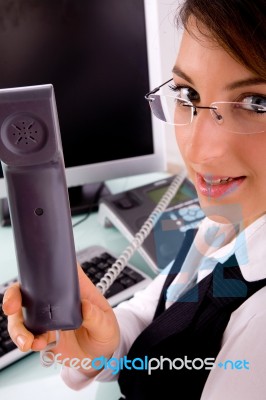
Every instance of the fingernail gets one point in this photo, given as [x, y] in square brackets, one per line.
[21, 340]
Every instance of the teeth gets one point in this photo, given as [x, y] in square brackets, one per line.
[211, 181]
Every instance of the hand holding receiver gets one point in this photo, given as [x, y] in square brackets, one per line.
[98, 335]
[33, 165]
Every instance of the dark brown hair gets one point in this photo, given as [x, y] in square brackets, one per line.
[237, 25]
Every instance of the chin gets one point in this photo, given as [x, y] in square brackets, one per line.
[231, 214]
[223, 213]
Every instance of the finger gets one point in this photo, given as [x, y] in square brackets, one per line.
[101, 324]
[42, 341]
[23, 338]
[12, 300]
[90, 292]
[18, 332]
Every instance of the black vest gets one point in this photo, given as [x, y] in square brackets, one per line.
[190, 329]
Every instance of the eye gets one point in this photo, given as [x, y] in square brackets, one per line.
[257, 100]
[185, 92]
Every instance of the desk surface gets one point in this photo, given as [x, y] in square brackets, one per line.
[27, 378]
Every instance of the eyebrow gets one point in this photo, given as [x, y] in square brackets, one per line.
[234, 85]
[177, 71]
[246, 82]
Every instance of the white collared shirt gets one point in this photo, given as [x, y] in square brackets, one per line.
[244, 338]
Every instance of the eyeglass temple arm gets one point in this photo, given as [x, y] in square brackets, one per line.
[156, 89]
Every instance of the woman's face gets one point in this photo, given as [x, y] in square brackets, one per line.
[228, 169]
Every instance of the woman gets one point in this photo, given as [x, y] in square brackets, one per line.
[200, 329]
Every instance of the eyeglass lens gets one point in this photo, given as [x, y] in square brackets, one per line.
[232, 116]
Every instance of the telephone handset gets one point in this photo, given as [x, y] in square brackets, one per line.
[32, 160]
[134, 214]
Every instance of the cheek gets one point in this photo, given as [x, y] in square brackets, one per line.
[181, 142]
[251, 153]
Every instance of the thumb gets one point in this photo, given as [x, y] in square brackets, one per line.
[101, 324]
[95, 319]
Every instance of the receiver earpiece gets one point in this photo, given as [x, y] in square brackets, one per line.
[23, 133]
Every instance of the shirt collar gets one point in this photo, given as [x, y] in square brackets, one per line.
[247, 246]
[216, 242]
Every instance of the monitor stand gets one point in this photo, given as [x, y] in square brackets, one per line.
[86, 198]
[4, 213]
[83, 199]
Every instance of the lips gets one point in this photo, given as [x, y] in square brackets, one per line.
[215, 186]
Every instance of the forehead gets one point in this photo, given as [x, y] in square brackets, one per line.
[202, 57]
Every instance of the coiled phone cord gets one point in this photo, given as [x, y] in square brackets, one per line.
[118, 266]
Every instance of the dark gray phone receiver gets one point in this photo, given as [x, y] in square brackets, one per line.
[32, 160]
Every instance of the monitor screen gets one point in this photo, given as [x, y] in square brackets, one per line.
[95, 54]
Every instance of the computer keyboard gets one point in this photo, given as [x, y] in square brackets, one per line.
[95, 261]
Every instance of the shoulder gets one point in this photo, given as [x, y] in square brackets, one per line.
[240, 367]
[250, 315]
[244, 337]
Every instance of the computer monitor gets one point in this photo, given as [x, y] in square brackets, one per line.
[102, 57]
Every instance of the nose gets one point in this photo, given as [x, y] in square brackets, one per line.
[205, 140]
